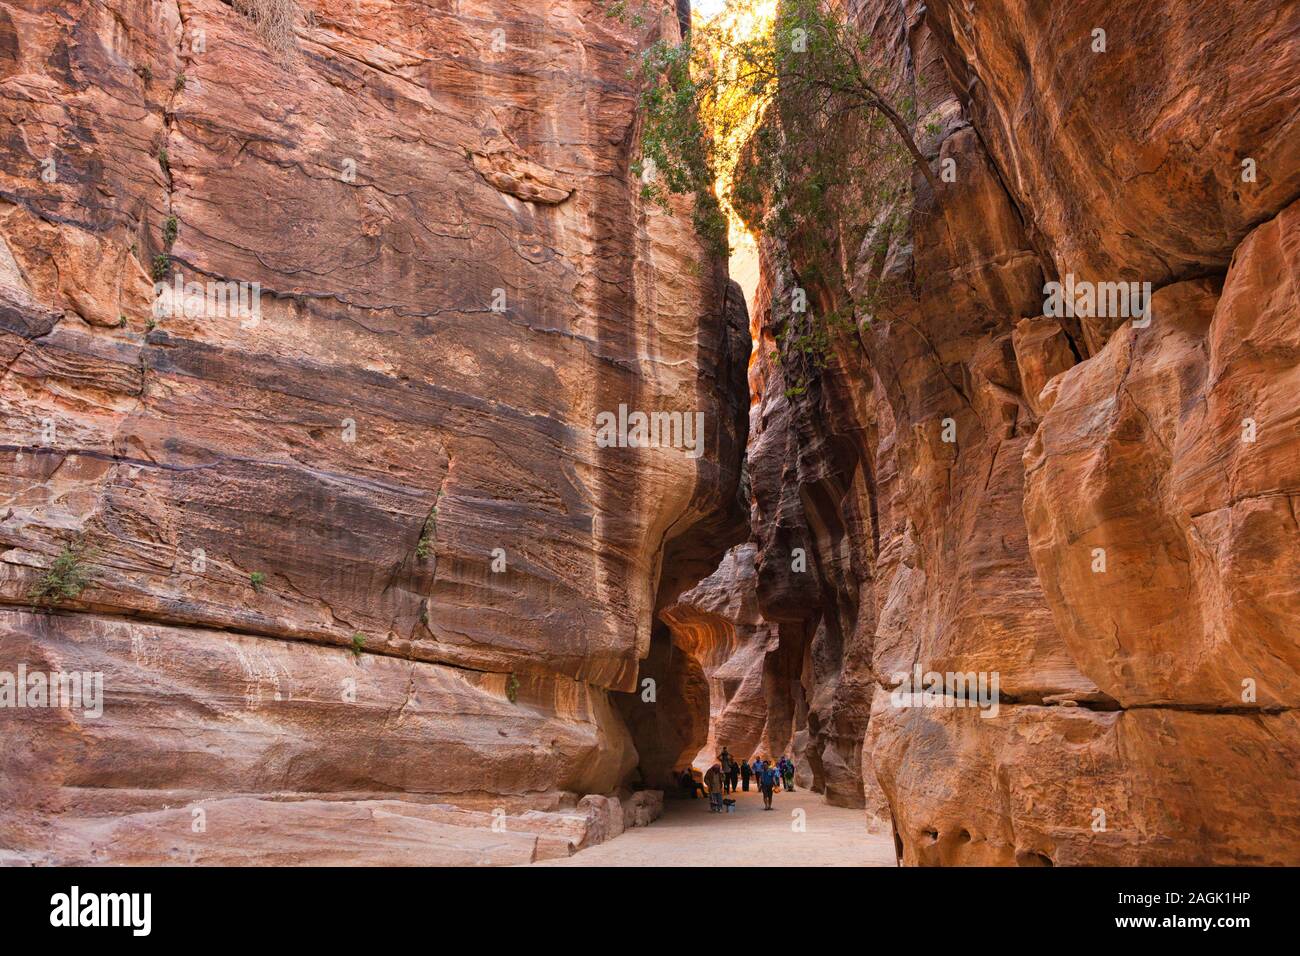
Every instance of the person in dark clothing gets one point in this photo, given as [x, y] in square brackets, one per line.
[690, 786]
[724, 762]
[766, 783]
[735, 776]
[744, 776]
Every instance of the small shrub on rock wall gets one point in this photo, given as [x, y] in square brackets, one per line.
[66, 578]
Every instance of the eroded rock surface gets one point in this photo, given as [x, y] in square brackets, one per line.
[717, 623]
[361, 584]
[962, 462]
[390, 450]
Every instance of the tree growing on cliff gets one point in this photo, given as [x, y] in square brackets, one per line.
[782, 107]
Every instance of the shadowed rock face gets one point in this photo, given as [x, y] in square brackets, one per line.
[954, 467]
[456, 276]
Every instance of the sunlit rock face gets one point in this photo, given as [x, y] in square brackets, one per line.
[1171, 457]
[717, 623]
[962, 464]
[384, 469]
[1044, 786]
[1105, 138]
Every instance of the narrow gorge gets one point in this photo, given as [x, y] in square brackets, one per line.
[328, 330]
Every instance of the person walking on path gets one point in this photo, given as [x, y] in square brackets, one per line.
[788, 774]
[724, 762]
[766, 783]
[713, 780]
[744, 775]
[735, 776]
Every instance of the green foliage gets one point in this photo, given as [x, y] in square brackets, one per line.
[170, 228]
[162, 264]
[256, 579]
[512, 688]
[676, 158]
[625, 10]
[180, 83]
[790, 117]
[424, 546]
[164, 161]
[66, 578]
[805, 342]
[358, 643]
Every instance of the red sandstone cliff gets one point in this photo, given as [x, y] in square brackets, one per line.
[363, 588]
[1148, 709]
[355, 561]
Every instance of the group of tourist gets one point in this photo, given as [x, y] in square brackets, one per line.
[728, 775]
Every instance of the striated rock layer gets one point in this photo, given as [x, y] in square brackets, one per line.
[1100, 512]
[353, 552]
[718, 626]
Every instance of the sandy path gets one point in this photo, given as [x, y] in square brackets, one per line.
[688, 835]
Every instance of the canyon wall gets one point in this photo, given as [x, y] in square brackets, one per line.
[353, 562]
[717, 625]
[1101, 511]
[360, 582]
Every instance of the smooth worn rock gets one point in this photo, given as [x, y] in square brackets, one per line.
[1060, 786]
[1159, 491]
[420, 268]
[717, 624]
[1097, 511]
[329, 509]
